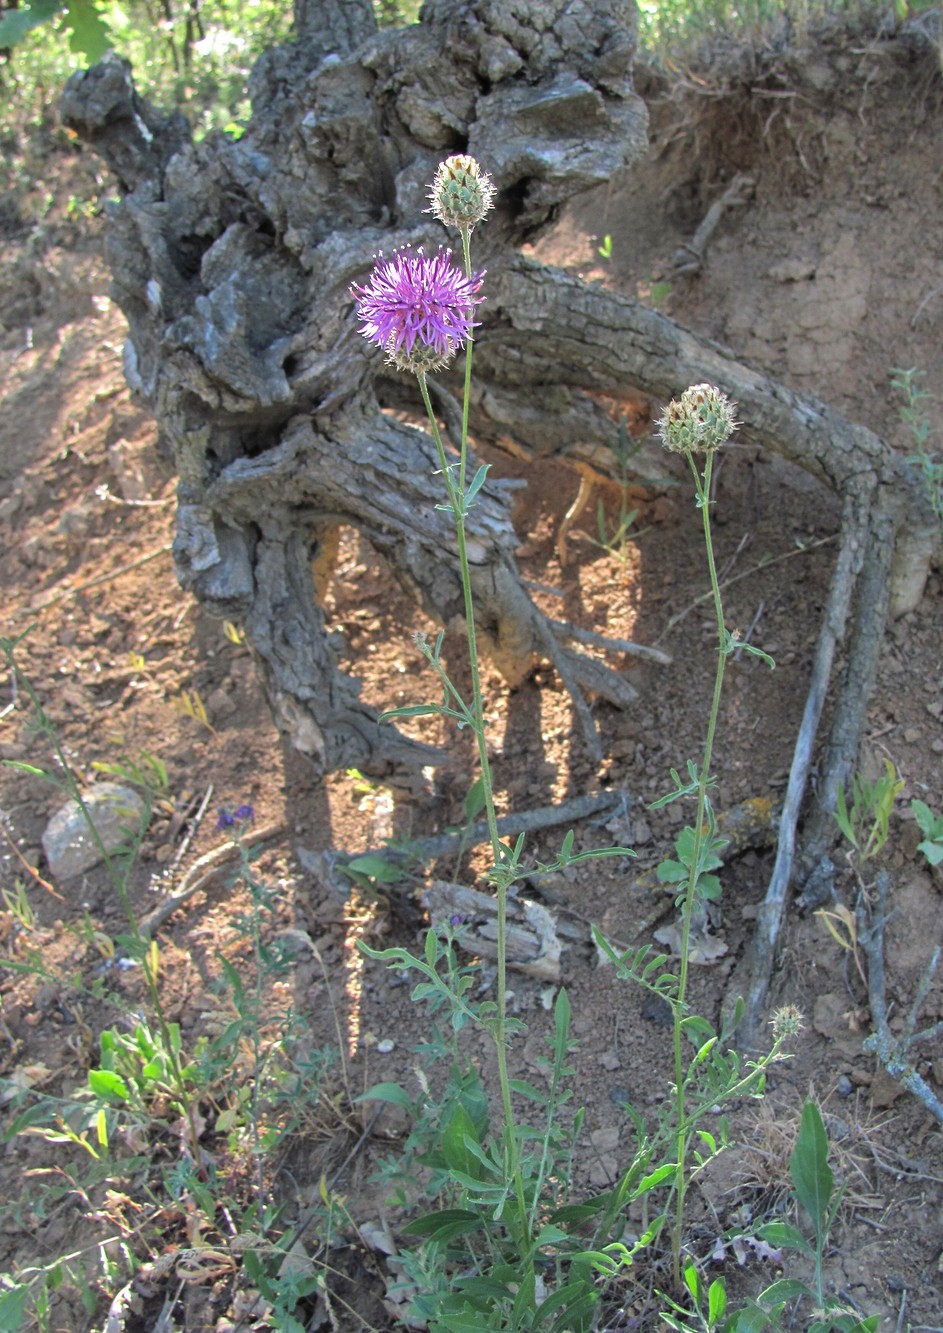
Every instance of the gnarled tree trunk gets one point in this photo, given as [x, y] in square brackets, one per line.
[232, 261]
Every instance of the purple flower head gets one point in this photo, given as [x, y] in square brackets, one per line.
[243, 814]
[420, 310]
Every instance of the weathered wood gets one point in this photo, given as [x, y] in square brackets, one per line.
[233, 263]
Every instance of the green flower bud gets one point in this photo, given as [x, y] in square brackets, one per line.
[786, 1022]
[461, 193]
[700, 420]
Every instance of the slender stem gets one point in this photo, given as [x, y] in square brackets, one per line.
[469, 345]
[688, 908]
[500, 876]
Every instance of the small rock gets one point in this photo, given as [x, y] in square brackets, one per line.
[844, 1086]
[884, 1090]
[116, 812]
[219, 705]
[641, 832]
[606, 1139]
[126, 468]
[385, 1046]
[793, 270]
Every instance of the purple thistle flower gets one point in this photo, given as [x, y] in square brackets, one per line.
[411, 299]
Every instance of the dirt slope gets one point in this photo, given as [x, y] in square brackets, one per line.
[828, 274]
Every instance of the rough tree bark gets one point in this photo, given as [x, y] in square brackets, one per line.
[232, 261]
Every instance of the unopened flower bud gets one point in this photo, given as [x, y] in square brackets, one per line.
[786, 1022]
[461, 194]
[700, 420]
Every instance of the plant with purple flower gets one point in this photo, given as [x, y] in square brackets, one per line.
[419, 309]
[243, 814]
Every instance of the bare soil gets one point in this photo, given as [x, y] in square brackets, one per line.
[829, 275]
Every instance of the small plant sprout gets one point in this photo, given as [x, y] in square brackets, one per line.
[189, 703]
[913, 416]
[866, 823]
[931, 826]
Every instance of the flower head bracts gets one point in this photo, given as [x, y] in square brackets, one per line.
[461, 194]
[418, 308]
[700, 421]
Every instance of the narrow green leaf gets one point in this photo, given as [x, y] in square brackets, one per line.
[444, 1225]
[457, 1136]
[374, 867]
[716, 1301]
[785, 1289]
[809, 1168]
[474, 801]
[528, 1090]
[477, 482]
[561, 1016]
[656, 1177]
[785, 1235]
[387, 1092]
[412, 710]
[524, 1300]
[18, 764]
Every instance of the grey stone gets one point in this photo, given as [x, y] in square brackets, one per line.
[68, 843]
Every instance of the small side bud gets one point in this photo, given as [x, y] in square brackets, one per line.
[461, 194]
[700, 420]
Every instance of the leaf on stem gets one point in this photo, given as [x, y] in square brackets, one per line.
[811, 1174]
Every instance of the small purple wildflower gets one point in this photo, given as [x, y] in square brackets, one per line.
[420, 310]
[243, 814]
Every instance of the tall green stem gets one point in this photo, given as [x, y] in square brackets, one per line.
[456, 494]
[702, 487]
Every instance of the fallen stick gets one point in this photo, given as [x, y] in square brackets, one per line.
[203, 870]
[538, 933]
[327, 864]
[861, 576]
[689, 256]
[840, 754]
[96, 582]
[891, 1051]
[772, 909]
